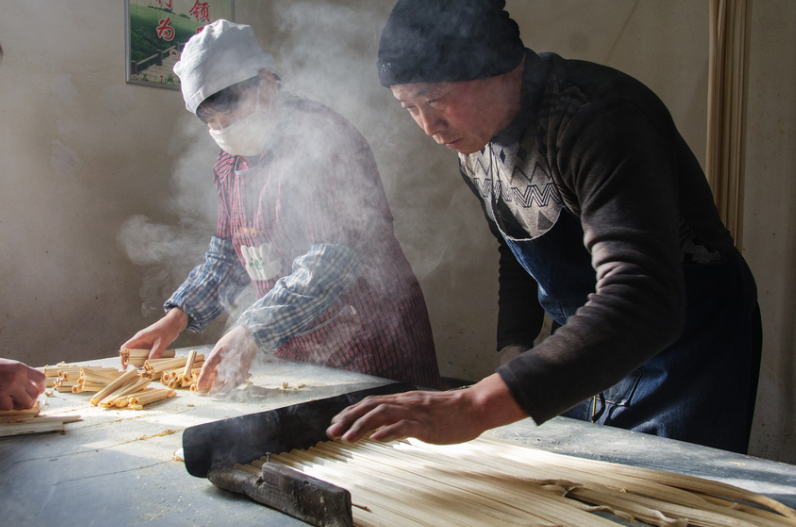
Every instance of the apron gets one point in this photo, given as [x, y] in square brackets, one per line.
[266, 250]
[378, 326]
[697, 389]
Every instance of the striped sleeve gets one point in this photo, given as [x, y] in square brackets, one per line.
[211, 286]
[317, 279]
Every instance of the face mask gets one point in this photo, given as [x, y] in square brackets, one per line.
[247, 135]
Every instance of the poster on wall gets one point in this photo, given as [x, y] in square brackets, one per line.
[156, 32]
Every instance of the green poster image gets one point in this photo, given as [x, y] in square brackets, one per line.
[156, 33]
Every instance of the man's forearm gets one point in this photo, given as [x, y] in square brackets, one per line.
[493, 403]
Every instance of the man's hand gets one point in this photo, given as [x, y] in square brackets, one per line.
[229, 362]
[434, 417]
[20, 385]
[159, 335]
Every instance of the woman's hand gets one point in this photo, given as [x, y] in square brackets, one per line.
[229, 362]
[159, 335]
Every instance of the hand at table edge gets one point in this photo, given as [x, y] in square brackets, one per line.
[20, 385]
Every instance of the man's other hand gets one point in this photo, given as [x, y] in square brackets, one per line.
[20, 385]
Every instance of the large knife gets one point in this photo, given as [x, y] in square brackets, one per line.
[212, 449]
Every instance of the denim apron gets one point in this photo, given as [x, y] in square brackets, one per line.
[696, 390]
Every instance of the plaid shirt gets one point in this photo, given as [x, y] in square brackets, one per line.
[293, 303]
[337, 290]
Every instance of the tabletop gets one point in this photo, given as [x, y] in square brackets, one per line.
[118, 467]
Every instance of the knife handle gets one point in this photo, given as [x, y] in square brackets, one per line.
[289, 491]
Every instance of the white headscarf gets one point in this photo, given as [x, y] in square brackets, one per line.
[222, 54]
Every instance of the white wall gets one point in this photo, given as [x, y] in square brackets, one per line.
[82, 152]
[770, 219]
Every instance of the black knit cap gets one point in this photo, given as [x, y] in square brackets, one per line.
[448, 41]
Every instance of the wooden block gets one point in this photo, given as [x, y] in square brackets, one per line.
[30, 427]
[32, 412]
[287, 490]
[137, 357]
[44, 419]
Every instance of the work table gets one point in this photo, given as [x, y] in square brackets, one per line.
[117, 467]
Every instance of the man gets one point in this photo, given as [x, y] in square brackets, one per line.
[303, 216]
[605, 221]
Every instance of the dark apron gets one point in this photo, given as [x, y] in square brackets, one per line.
[701, 388]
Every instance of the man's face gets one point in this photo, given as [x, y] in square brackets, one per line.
[463, 116]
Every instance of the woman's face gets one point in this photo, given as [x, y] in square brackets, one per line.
[216, 120]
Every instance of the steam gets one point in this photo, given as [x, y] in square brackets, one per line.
[168, 252]
[325, 53]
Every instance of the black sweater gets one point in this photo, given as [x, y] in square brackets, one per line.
[602, 144]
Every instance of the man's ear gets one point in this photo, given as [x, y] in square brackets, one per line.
[267, 86]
